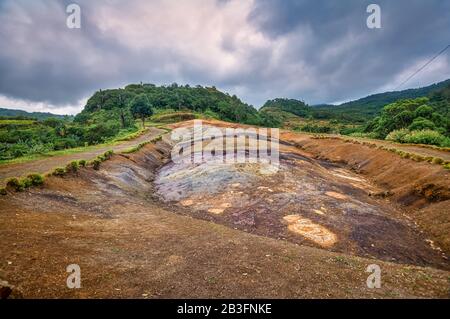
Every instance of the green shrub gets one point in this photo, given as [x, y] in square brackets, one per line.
[406, 155]
[397, 135]
[82, 163]
[36, 179]
[15, 184]
[96, 164]
[438, 161]
[425, 137]
[72, 167]
[60, 171]
[3, 191]
[108, 155]
[157, 139]
[26, 182]
[447, 166]
[418, 158]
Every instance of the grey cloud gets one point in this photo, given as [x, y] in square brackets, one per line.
[319, 51]
[411, 30]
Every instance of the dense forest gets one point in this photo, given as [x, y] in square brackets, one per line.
[425, 120]
[200, 99]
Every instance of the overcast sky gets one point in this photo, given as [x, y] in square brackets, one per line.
[317, 51]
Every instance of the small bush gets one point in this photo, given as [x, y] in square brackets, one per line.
[438, 161]
[82, 163]
[108, 155]
[26, 182]
[157, 139]
[18, 186]
[447, 166]
[418, 158]
[397, 135]
[36, 179]
[60, 171]
[72, 167]
[15, 184]
[3, 191]
[406, 155]
[96, 164]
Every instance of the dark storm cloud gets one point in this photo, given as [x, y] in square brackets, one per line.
[319, 51]
[411, 31]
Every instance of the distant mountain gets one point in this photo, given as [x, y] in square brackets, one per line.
[31, 115]
[370, 106]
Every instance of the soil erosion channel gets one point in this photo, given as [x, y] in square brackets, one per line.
[305, 201]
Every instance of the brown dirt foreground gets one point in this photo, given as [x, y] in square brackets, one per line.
[128, 246]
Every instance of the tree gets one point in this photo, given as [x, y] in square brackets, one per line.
[141, 107]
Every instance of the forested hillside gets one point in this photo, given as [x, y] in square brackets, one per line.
[206, 100]
[359, 111]
[424, 120]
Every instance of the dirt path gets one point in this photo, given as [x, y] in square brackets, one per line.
[44, 165]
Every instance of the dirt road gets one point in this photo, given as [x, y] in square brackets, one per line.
[44, 165]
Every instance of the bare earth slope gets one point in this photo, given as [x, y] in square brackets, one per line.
[130, 241]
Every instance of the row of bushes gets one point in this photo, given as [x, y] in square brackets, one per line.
[74, 166]
[20, 185]
[403, 154]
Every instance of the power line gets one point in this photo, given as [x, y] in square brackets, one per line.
[422, 67]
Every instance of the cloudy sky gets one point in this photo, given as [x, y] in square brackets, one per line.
[319, 51]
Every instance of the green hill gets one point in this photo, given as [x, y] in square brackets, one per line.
[209, 100]
[9, 113]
